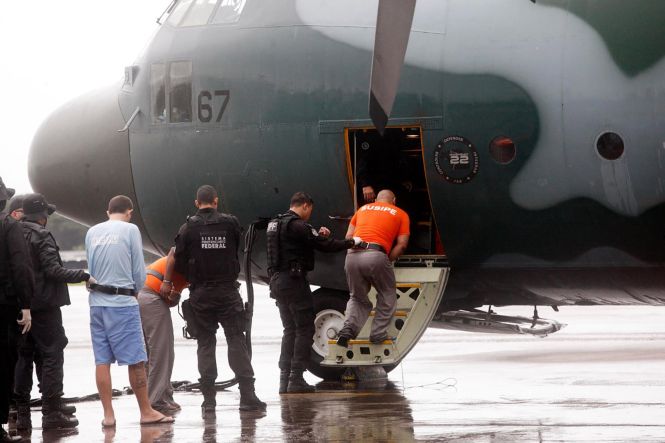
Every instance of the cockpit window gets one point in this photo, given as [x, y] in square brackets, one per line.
[199, 13]
[181, 92]
[229, 11]
[179, 12]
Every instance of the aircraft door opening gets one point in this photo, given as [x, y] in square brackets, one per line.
[394, 161]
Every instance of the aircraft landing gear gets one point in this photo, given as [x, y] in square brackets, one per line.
[329, 307]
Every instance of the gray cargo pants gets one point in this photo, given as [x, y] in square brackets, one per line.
[365, 268]
[158, 333]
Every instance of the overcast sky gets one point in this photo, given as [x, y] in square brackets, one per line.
[53, 51]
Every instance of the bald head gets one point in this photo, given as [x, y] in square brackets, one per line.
[386, 196]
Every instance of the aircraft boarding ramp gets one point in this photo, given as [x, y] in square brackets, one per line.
[421, 281]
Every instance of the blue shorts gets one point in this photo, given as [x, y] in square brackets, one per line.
[117, 335]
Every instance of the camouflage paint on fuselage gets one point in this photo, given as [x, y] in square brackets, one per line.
[271, 145]
[632, 30]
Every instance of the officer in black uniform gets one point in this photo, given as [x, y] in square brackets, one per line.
[29, 352]
[16, 289]
[47, 334]
[291, 242]
[207, 253]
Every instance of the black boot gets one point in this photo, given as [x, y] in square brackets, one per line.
[209, 402]
[345, 334]
[67, 409]
[248, 399]
[53, 418]
[283, 380]
[343, 341]
[297, 383]
[23, 419]
[6, 438]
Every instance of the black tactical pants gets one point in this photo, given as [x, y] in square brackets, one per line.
[294, 301]
[211, 306]
[8, 336]
[47, 336]
[27, 354]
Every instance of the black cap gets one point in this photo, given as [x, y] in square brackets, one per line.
[15, 203]
[36, 207]
[5, 192]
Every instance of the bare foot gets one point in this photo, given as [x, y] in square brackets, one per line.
[108, 422]
[153, 417]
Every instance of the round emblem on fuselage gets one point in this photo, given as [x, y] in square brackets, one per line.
[456, 159]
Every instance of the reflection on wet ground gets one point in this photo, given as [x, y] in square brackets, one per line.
[334, 413]
[382, 414]
[600, 379]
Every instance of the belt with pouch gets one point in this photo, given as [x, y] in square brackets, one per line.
[214, 284]
[112, 290]
[373, 246]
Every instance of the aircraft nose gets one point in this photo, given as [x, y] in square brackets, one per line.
[79, 160]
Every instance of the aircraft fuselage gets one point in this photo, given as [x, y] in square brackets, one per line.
[555, 220]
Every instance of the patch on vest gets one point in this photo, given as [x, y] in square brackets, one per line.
[213, 240]
[273, 226]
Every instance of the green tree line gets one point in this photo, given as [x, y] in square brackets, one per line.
[69, 234]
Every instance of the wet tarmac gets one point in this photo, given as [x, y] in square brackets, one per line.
[600, 379]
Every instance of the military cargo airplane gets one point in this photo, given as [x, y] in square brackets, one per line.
[532, 135]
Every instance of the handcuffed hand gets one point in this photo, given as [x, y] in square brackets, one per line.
[25, 321]
[173, 299]
[165, 290]
[91, 281]
[357, 241]
[324, 232]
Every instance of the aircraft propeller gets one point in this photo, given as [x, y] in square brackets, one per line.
[393, 27]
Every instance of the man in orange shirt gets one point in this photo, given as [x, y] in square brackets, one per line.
[161, 291]
[379, 225]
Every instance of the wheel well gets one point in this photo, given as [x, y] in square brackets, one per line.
[325, 298]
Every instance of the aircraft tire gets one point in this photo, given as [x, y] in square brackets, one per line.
[324, 299]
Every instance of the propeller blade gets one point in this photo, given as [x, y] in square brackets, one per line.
[393, 27]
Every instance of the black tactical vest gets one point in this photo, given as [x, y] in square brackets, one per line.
[285, 252]
[213, 240]
[6, 291]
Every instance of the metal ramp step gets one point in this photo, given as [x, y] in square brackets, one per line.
[421, 281]
[388, 341]
[396, 314]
